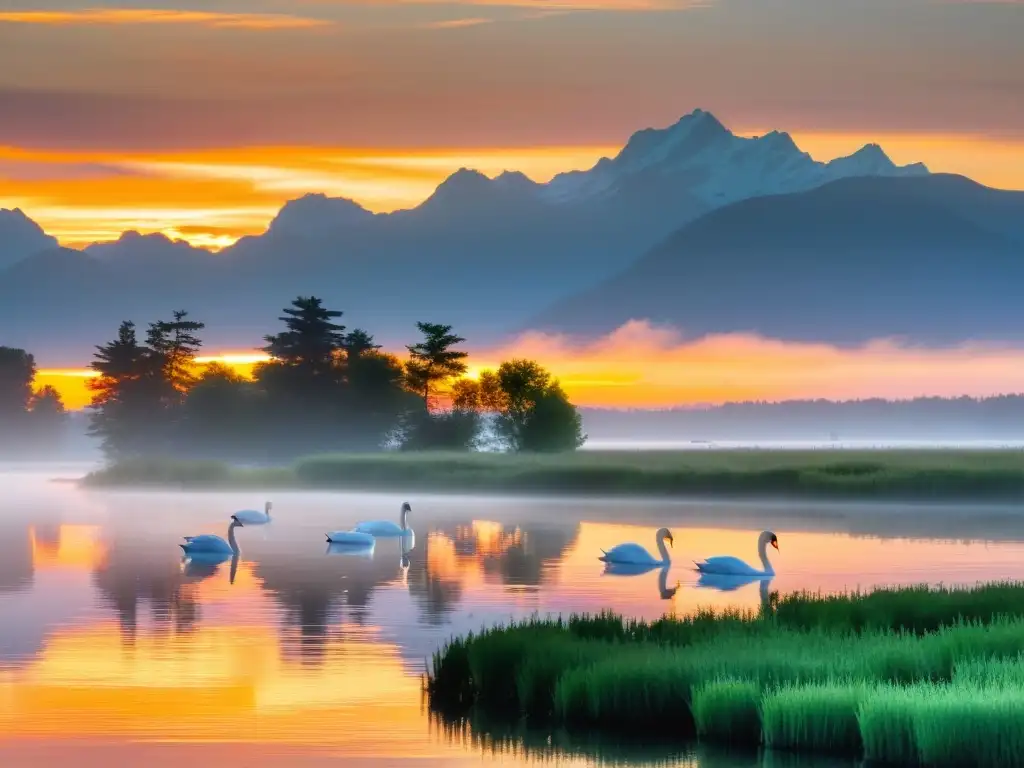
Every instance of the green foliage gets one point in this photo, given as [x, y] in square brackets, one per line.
[530, 410]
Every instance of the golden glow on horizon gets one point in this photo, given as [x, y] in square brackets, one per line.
[640, 366]
[212, 197]
[148, 16]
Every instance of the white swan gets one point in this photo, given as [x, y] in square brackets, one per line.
[382, 528]
[634, 554]
[733, 566]
[252, 516]
[350, 538]
[209, 544]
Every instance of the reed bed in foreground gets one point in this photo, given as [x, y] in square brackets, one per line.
[854, 687]
[726, 711]
[936, 474]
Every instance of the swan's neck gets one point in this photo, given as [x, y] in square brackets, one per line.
[762, 550]
[663, 550]
[266, 510]
[405, 518]
[231, 538]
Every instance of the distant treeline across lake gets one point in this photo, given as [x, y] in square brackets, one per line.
[926, 419]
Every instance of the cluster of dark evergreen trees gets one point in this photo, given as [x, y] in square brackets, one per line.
[323, 389]
[32, 421]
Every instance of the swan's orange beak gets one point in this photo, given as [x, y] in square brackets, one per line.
[671, 542]
[775, 544]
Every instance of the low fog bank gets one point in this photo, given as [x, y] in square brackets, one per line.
[72, 444]
[996, 422]
[962, 422]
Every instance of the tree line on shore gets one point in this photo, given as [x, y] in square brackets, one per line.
[35, 417]
[323, 388]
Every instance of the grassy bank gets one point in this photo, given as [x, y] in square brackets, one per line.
[939, 685]
[996, 475]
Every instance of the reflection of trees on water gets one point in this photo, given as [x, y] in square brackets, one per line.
[16, 567]
[133, 576]
[318, 591]
[509, 556]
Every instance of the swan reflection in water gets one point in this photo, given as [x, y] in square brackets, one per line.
[637, 569]
[730, 582]
[205, 554]
[408, 542]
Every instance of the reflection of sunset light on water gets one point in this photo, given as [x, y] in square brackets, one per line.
[74, 546]
[284, 659]
[213, 684]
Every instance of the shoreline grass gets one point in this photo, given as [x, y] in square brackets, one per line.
[938, 688]
[827, 474]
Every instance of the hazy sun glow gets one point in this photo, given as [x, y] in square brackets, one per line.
[641, 365]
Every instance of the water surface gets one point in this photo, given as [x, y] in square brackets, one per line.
[113, 651]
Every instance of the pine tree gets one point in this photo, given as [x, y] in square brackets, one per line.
[174, 346]
[312, 339]
[433, 361]
[119, 393]
[358, 343]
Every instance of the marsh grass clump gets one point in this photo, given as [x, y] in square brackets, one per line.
[636, 690]
[820, 474]
[894, 696]
[886, 721]
[968, 725]
[816, 717]
[727, 711]
[916, 609]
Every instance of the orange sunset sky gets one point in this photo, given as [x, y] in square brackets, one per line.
[200, 120]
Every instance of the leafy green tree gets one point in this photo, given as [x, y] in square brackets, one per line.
[530, 409]
[433, 361]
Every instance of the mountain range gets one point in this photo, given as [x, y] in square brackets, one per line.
[688, 224]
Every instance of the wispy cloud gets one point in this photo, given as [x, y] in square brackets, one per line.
[153, 16]
[551, 7]
[458, 23]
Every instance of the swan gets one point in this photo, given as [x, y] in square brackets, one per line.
[634, 554]
[350, 538]
[252, 517]
[733, 566]
[207, 544]
[383, 528]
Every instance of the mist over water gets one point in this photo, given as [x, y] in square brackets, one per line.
[297, 654]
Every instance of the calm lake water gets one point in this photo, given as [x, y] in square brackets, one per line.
[112, 651]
